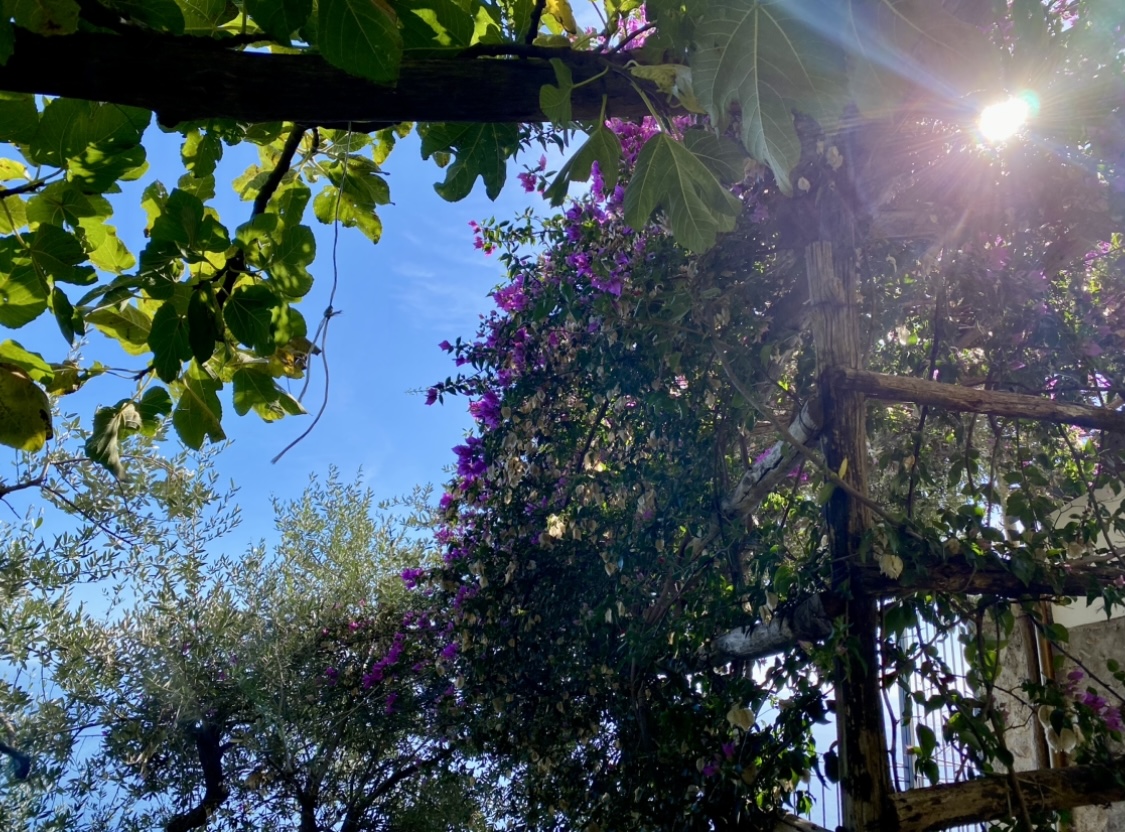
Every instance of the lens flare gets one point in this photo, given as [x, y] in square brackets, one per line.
[1001, 121]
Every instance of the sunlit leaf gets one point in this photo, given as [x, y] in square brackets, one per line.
[360, 37]
[256, 389]
[560, 10]
[198, 414]
[25, 410]
[767, 60]
[288, 267]
[124, 322]
[201, 152]
[329, 206]
[23, 295]
[13, 214]
[11, 169]
[670, 177]
[68, 127]
[62, 203]
[106, 249]
[32, 363]
[479, 149]
[279, 18]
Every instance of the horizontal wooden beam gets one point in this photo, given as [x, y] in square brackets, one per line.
[974, 400]
[190, 78]
[990, 798]
[811, 619]
[792, 823]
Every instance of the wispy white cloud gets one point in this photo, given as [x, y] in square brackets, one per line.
[448, 304]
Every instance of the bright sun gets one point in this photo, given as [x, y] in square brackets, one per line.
[1003, 120]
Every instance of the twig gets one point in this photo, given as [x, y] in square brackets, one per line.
[5, 490]
[648, 27]
[58, 495]
[26, 188]
[533, 23]
[284, 160]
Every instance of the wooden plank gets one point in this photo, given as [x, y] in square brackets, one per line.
[953, 804]
[975, 400]
[186, 78]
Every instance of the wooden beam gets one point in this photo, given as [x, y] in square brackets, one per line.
[185, 78]
[988, 798]
[974, 400]
[792, 823]
[811, 618]
[775, 464]
[864, 768]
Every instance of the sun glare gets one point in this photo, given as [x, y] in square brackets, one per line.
[1003, 120]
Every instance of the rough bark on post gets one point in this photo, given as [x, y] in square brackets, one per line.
[864, 767]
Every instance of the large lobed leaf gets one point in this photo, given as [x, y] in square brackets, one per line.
[765, 60]
[669, 176]
[360, 37]
[480, 149]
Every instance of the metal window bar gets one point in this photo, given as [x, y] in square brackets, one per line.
[902, 723]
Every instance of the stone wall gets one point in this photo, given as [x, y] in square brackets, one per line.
[1093, 640]
[1092, 644]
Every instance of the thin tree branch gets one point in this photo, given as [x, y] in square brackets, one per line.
[26, 188]
[533, 24]
[284, 161]
[216, 790]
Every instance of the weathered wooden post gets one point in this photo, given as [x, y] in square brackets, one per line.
[864, 765]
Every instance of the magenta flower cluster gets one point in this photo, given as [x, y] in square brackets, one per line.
[1109, 715]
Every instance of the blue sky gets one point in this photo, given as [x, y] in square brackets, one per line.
[421, 284]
